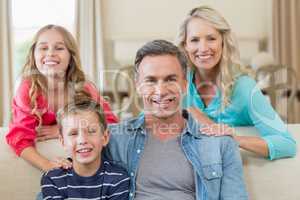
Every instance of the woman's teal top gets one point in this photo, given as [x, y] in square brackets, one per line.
[248, 107]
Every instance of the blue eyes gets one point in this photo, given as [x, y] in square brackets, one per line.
[56, 48]
[208, 39]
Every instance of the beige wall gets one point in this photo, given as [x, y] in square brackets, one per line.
[152, 19]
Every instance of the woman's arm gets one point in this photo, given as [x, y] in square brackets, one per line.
[274, 140]
[254, 144]
[250, 143]
[271, 128]
[208, 126]
[200, 116]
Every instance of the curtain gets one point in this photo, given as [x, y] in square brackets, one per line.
[286, 40]
[5, 62]
[90, 39]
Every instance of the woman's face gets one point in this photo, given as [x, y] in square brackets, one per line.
[203, 44]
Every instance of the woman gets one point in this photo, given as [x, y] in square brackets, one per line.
[221, 88]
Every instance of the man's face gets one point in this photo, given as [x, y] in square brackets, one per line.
[161, 83]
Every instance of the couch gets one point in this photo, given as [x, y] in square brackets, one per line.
[265, 180]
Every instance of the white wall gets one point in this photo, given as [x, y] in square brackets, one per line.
[125, 20]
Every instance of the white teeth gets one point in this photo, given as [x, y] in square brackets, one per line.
[164, 101]
[50, 63]
[84, 150]
[204, 57]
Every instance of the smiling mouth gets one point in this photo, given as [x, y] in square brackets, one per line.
[204, 57]
[84, 150]
[164, 102]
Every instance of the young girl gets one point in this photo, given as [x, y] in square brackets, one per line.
[219, 86]
[51, 76]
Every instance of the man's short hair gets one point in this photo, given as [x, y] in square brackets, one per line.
[81, 103]
[157, 48]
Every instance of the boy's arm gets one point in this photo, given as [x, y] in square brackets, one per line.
[49, 189]
[120, 190]
[233, 184]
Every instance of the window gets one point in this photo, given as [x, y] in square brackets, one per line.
[29, 16]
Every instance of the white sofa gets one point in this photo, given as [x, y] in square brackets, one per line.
[266, 180]
[18, 179]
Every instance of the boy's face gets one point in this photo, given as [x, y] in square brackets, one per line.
[83, 138]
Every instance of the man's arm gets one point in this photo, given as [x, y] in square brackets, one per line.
[233, 184]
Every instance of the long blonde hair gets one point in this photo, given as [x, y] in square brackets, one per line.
[230, 66]
[74, 77]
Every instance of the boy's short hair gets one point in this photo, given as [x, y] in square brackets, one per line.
[81, 103]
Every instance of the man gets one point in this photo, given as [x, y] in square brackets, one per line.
[163, 150]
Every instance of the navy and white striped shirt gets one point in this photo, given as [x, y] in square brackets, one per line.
[109, 183]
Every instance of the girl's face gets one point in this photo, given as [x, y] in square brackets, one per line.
[203, 44]
[51, 54]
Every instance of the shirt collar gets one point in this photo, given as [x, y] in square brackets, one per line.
[192, 126]
[137, 124]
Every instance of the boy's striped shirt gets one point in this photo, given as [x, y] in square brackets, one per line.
[110, 182]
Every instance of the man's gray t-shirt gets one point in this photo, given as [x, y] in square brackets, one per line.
[164, 172]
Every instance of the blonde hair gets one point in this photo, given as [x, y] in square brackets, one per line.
[81, 103]
[74, 77]
[230, 66]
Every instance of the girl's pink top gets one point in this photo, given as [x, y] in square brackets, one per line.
[22, 133]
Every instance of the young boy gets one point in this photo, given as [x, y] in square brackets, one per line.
[83, 134]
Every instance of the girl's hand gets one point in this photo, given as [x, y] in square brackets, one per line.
[60, 163]
[47, 133]
[217, 130]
